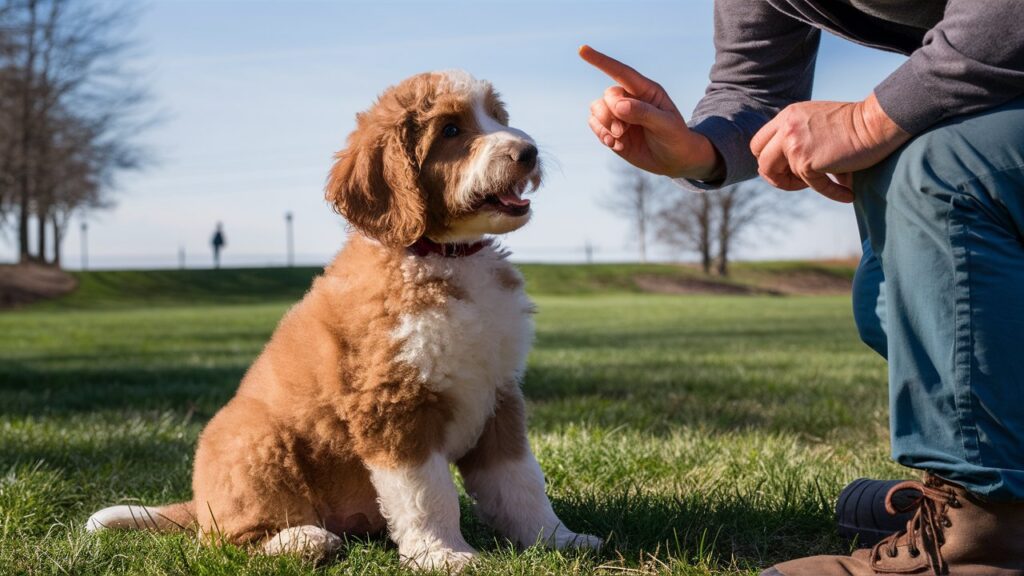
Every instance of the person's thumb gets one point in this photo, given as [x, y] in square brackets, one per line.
[633, 111]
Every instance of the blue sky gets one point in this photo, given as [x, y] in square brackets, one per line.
[258, 95]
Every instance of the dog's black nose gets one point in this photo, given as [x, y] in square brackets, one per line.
[525, 155]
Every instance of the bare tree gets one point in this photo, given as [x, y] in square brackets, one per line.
[686, 224]
[746, 208]
[713, 223]
[86, 170]
[635, 196]
[71, 109]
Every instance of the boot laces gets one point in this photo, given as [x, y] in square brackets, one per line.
[924, 532]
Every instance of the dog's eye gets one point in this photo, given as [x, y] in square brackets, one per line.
[450, 131]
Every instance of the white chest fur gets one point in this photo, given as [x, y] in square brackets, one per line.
[471, 346]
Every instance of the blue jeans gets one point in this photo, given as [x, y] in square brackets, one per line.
[940, 294]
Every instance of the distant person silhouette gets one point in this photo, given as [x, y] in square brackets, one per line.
[218, 243]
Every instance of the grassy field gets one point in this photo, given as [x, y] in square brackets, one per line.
[698, 434]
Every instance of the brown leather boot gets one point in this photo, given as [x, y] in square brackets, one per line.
[952, 532]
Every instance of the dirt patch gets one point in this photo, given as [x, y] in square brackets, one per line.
[22, 284]
[675, 285]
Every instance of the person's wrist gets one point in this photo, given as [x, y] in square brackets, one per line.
[703, 161]
[881, 131]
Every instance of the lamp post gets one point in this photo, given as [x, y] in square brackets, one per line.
[291, 239]
[85, 246]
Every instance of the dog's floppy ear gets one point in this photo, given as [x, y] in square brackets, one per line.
[374, 183]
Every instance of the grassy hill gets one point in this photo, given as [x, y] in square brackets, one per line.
[133, 288]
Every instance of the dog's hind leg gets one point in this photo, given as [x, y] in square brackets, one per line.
[312, 542]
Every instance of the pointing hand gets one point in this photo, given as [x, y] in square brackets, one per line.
[639, 122]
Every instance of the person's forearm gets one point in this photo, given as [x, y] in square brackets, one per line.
[970, 61]
[764, 61]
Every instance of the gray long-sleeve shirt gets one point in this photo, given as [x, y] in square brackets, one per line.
[965, 56]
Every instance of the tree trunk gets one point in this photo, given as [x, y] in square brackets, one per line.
[57, 239]
[642, 226]
[26, 137]
[42, 218]
[725, 229]
[23, 213]
[724, 239]
[705, 233]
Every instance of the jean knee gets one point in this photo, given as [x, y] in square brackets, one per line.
[869, 325]
[869, 303]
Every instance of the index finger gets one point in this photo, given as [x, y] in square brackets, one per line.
[629, 78]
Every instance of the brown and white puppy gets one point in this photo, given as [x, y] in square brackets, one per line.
[405, 356]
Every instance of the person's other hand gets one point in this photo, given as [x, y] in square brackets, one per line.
[808, 141]
[638, 121]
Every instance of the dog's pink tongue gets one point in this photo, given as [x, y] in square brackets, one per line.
[512, 199]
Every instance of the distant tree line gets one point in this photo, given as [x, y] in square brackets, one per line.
[70, 114]
[709, 224]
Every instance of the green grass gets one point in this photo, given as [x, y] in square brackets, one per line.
[699, 435]
[138, 288]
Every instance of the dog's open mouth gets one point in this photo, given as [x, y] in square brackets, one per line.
[509, 202]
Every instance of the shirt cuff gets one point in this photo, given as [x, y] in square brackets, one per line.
[909, 100]
[733, 145]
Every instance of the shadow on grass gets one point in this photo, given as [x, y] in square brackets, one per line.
[660, 396]
[143, 452]
[28, 390]
[649, 395]
[560, 396]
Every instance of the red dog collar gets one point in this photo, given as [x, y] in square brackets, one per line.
[425, 246]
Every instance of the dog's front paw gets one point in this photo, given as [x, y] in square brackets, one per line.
[443, 559]
[567, 539]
